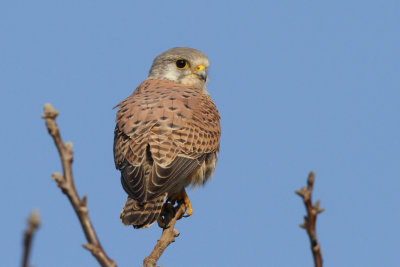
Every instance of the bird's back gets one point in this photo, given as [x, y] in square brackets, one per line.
[163, 124]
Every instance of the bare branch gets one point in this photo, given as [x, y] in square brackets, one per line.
[33, 224]
[168, 234]
[66, 182]
[310, 220]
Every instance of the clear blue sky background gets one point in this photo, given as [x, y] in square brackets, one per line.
[300, 85]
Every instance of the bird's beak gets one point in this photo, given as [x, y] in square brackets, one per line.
[201, 72]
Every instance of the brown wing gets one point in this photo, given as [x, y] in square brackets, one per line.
[164, 131]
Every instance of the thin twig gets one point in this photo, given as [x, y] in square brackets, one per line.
[66, 183]
[33, 224]
[167, 237]
[310, 220]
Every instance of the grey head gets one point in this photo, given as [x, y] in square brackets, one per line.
[182, 65]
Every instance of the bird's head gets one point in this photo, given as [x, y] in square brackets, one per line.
[182, 65]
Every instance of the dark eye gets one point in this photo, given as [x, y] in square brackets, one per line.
[181, 64]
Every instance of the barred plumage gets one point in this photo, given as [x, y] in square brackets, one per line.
[166, 137]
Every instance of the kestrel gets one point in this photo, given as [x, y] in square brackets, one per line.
[167, 136]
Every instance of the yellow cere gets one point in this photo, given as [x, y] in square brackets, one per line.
[199, 68]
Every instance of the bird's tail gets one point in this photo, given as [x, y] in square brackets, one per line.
[141, 215]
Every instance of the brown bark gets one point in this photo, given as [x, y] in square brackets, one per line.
[33, 225]
[310, 220]
[168, 234]
[66, 182]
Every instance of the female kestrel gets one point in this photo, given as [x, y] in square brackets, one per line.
[167, 135]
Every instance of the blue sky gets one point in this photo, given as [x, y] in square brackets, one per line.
[300, 85]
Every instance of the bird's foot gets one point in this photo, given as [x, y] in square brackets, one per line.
[166, 215]
[182, 197]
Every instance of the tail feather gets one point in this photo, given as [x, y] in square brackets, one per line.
[142, 215]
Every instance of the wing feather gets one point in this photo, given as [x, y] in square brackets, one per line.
[164, 132]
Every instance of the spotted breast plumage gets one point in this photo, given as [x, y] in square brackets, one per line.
[166, 136]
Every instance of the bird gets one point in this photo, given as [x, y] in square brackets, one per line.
[167, 136]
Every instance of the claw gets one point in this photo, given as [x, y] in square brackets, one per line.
[182, 197]
[187, 204]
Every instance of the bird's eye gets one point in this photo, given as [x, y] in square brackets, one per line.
[182, 64]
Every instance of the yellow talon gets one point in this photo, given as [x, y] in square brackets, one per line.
[187, 204]
[182, 197]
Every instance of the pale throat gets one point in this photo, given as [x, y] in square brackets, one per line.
[186, 79]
